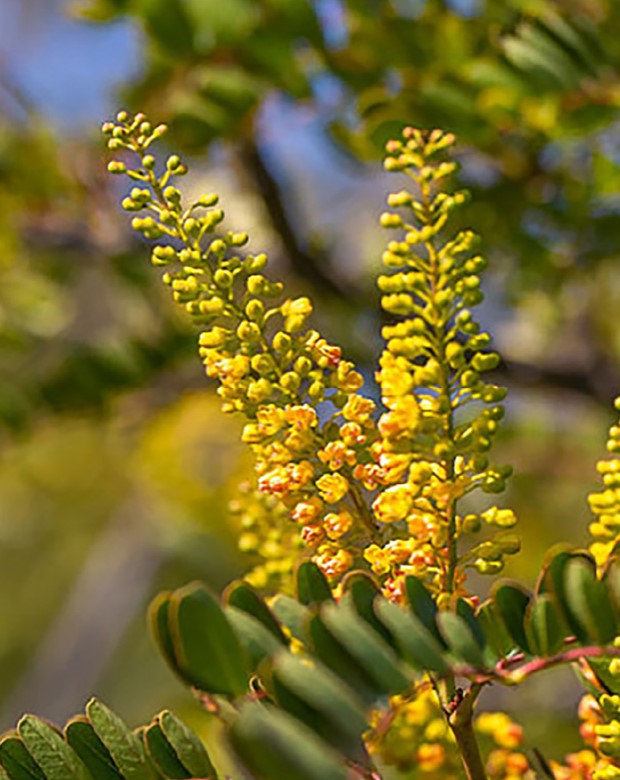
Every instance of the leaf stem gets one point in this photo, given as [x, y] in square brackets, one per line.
[462, 725]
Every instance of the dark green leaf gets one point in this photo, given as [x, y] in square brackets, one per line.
[17, 760]
[612, 583]
[57, 760]
[187, 746]
[588, 601]
[158, 622]
[460, 638]
[125, 748]
[496, 635]
[322, 701]
[511, 602]
[292, 615]
[553, 580]
[360, 592]
[162, 754]
[276, 746]
[465, 611]
[244, 597]
[206, 647]
[416, 643]
[312, 585]
[422, 605]
[257, 641]
[337, 658]
[82, 738]
[545, 626]
[373, 654]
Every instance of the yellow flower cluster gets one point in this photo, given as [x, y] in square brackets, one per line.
[601, 719]
[270, 366]
[431, 450]
[605, 504]
[413, 734]
[268, 538]
[358, 484]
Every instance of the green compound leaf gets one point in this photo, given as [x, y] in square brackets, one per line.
[544, 625]
[588, 601]
[374, 655]
[292, 615]
[56, 759]
[187, 746]
[275, 746]
[162, 754]
[460, 638]
[511, 602]
[257, 641]
[81, 736]
[244, 597]
[124, 746]
[17, 761]
[416, 643]
[322, 701]
[312, 585]
[206, 647]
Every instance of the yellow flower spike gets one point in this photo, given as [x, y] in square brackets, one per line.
[432, 364]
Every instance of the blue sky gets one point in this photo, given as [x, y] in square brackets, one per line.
[66, 68]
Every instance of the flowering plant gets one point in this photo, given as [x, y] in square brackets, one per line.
[373, 513]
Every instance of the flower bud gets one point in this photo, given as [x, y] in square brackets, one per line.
[256, 284]
[281, 342]
[248, 331]
[208, 200]
[255, 310]
[115, 166]
[223, 278]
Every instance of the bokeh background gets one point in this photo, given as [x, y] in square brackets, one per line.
[116, 467]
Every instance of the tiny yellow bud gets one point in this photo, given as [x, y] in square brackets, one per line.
[208, 200]
[223, 278]
[256, 284]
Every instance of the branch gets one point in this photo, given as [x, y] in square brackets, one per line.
[310, 266]
[462, 724]
[515, 676]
